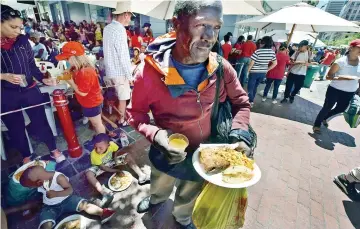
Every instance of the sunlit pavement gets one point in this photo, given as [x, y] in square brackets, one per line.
[296, 188]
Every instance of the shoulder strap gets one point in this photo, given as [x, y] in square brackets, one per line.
[219, 77]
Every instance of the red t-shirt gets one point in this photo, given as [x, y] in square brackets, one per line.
[238, 46]
[135, 42]
[278, 72]
[87, 81]
[248, 48]
[226, 48]
[329, 58]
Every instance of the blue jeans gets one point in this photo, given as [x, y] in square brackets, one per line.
[244, 71]
[277, 83]
[323, 69]
[254, 81]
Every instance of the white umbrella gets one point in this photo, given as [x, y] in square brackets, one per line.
[301, 17]
[283, 35]
[164, 9]
[18, 6]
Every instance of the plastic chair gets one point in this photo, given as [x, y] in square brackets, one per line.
[45, 66]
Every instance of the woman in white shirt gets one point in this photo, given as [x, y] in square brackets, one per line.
[345, 76]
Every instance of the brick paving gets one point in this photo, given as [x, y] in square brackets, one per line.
[296, 189]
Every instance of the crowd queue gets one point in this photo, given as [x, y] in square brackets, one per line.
[179, 71]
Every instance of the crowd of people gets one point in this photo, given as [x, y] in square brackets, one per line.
[180, 69]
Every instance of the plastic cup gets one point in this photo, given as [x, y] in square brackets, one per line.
[23, 82]
[178, 141]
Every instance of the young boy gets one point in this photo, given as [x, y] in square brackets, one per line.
[57, 196]
[105, 156]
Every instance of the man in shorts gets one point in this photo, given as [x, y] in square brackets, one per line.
[117, 56]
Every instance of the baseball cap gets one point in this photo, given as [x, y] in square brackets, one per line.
[100, 138]
[70, 49]
[303, 43]
[355, 43]
[146, 24]
[123, 7]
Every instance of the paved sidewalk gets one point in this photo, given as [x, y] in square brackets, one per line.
[296, 189]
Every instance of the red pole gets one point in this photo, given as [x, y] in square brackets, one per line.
[61, 102]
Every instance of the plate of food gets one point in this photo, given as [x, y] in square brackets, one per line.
[71, 222]
[222, 165]
[120, 181]
[20, 171]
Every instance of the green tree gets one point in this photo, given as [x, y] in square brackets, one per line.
[312, 2]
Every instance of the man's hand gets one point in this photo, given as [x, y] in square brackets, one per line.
[161, 142]
[51, 194]
[244, 148]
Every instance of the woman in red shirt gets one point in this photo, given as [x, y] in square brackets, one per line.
[276, 74]
[85, 83]
[136, 39]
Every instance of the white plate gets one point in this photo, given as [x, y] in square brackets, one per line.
[24, 167]
[217, 178]
[71, 218]
[121, 189]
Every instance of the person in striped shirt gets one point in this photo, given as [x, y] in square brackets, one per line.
[259, 66]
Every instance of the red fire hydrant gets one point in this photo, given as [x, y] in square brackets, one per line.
[61, 102]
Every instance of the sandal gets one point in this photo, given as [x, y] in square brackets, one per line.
[316, 130]
[123, 124]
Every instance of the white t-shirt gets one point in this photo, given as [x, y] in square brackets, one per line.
[300, 69]
[55, 187]
[223, 42]
[349, 70]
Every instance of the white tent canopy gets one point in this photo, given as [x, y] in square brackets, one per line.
[304, 17]
[283, 35]
[164, 9]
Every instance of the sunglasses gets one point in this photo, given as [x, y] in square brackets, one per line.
[13, 13]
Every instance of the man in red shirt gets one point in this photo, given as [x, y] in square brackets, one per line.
[226, 47]
[247, 49]
[326, 62]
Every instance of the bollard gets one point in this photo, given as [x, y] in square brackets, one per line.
[61, 102]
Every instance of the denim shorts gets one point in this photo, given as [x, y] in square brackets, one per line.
[93, 111]
[50, 213]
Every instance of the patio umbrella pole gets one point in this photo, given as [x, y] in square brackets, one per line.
[291, 34]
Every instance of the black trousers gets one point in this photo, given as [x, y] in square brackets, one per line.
[333, 96]
[291, 81]
[12, 99]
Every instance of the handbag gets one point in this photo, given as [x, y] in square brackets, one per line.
[221, 116]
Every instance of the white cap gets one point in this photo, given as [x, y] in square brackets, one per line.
[123, 7]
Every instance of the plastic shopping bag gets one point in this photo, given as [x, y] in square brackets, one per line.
[220, 208]
[352, 113]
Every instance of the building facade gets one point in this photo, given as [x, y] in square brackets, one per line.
[351, 11]
[335, 6]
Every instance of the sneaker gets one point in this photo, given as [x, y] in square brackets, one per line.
[106, 200]
[252, 104]
[344, 184]
[107, 214]
[263, 99]
[144, 205]
[58, 156]
[292, 99]
[284, 101]
[144, 180]
[274, 101]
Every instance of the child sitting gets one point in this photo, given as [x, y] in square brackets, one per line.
[84, 80]
[57, 196]
[105, 156]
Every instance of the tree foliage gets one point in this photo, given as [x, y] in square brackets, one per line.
[344, 40]
[312, 2]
